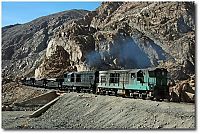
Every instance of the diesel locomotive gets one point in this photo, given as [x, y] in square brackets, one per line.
[136, 83]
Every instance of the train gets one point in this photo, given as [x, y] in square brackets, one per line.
[151, 83]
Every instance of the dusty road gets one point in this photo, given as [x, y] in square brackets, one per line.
[89, 111]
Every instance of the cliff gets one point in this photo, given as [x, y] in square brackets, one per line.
[117, 35]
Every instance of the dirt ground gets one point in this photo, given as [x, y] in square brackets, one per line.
[89, 111]
[13, 93]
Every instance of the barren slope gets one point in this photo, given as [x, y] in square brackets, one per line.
[88, 111]
[24, 45]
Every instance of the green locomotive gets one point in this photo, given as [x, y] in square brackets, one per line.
[84, 81]
[137, 83]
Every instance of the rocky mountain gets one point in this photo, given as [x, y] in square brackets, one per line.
[117, 35]
[24, 45]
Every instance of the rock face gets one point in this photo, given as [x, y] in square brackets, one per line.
[117, 35]
[149, 34]
[24, 46]
[183, 91]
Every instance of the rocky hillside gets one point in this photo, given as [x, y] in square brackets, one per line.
[24, 46]
[117, 35]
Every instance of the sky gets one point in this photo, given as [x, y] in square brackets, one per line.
[22, 12]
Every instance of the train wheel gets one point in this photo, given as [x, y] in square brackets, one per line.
[127, 93]
[104, 92]
[94, 91]
[123, 93]
[150, 96]
[140, 96]
[108, 93]
[144, 96]
[135, 95]
[78, 90]
[66, 89]
[168, 99]
[147, 98]
[157, 98]
[97, 91]
[115, 92]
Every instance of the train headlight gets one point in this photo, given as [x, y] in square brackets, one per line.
[151, 86]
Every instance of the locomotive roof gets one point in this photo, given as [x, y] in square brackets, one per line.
[133, 70]
[122, 70]
[127, 70]
[69, 73]
[53, 79]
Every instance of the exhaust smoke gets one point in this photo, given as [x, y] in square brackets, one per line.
[126, 52]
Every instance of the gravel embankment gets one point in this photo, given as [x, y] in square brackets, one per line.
[89, 111]
[13, 93]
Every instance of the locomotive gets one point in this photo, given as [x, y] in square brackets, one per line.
[136, 83]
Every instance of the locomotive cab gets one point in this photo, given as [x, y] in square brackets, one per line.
[159, 83]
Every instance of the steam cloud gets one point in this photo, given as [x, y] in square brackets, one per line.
[127, 51]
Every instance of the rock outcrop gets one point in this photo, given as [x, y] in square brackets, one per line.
[24, 45]
[183, 90]
[117, 35]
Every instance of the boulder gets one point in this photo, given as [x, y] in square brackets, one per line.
[182, 91]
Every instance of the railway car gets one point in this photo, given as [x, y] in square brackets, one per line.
[28, 81]
[142, 83]
[54, 83]
[40, 83]
[84, 81]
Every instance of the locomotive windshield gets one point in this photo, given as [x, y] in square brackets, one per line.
[161, 77]
[140, 76]
[151, 74]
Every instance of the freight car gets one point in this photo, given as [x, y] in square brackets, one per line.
[52, 83]
[28, 81]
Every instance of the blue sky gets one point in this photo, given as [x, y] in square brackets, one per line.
[22, 12]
